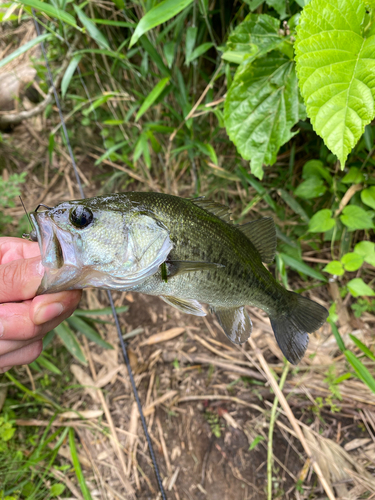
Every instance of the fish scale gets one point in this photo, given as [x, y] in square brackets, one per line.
[188, 252]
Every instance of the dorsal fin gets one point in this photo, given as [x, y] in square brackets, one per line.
[221, 211]
[262, 234]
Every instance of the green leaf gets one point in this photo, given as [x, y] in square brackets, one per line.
[358, 288]
[50, 11]
[48, 365]
[315, 168]
[313, 187]
[70, 341]
[354, 176]
[111, 150]
[87, 330]
[69, 73]
[24, 48]
[336, 334]
[354, 217]
[255, 441]
[158, 15]
[254, 37]
[352, 261]
[362, 346]
[368, 196]
[208, 150]
[334, 267]
[77, 466]
[191, 36]
[294, 205]
[199, 51]
[106, 311]
[152, 96]
[92, 30]
[335, 61]
[367, 250]
[321, 222]
[302, 267]
[169, 50]
[56, 489]
[279, 6]
[261, 107]
[360, 370]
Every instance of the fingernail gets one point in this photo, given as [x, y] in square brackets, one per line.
[48, 312]
[1, 329]
[5, 369]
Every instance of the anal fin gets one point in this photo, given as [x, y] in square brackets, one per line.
[185, 306]
[236, 323]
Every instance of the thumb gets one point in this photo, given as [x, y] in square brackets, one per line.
[20, 279]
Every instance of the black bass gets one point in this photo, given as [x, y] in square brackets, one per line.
[187, 252]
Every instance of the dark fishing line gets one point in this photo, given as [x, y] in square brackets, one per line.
[123, 345]
[26, 212]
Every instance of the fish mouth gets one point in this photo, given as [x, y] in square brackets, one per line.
[58, 255]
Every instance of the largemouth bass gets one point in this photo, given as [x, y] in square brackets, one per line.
[188, 252]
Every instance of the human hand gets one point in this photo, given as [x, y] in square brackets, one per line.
[24, 318]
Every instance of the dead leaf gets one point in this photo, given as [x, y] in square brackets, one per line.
[106, 378]
[163, 336]
[86, 414]
[86, 381]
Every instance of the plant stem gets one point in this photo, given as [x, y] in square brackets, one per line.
[270, 433]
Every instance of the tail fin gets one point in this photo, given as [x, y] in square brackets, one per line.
[291, 327]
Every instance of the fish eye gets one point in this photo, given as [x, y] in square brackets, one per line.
[81, 216]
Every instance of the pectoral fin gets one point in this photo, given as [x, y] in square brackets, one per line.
[176, 267]
[185, 306]
[236, 324]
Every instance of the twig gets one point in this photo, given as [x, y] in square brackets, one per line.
[292, 419]
[14, 118]
[270, 433]
[347, 196]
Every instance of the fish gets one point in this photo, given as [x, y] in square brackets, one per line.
[186, 251]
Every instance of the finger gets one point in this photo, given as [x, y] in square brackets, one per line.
[16, 248]
[20, 279]
[47, 307]
[33, 319]
[7, 346]
[23, 356]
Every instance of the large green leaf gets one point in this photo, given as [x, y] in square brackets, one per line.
[335, 66]
[158, 15]
[261, 107]
[255, 36]
[356, 218]
[321, 221]
[368, 196]
[358, 288]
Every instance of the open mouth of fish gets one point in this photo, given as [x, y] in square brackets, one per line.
[59, 258]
